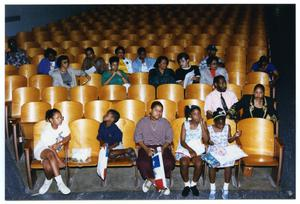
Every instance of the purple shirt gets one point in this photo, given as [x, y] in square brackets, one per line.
[152, 132]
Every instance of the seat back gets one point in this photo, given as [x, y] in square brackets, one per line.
[112, 92]
[96, 109]
[173, 92]
[54, 94]
[127, 127]
[176, 126]
[70, 110]
[257, 136]
[95, 80]
[11, 83]
[139, 78]
[40, 81]
[84, 135]
[142, 92]
[21, 96]
[130, 109]
[83, 94]
[235, 89]
[197, 91]
[28, 70]
[258, 78]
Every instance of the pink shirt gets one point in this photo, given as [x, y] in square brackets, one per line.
[213, 100]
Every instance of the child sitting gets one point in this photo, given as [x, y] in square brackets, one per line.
[109, 134]
[219, 139]
[193, 133]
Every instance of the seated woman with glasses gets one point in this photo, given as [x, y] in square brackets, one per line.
[214, 69]
[66, 76]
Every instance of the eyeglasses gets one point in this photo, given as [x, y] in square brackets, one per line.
[65, 62]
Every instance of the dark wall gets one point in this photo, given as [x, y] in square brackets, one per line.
[281, 29]
[37, 15]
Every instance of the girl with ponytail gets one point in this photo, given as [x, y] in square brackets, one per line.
[191, 146]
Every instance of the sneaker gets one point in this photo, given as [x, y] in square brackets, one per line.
[165, 191]
[63, 188]
[195, 191]
[212, 195]
[45, 187]
[185, 191]
[225, 194]
[146, 186]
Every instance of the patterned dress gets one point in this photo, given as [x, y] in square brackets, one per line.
[193, 138]
[220, 140]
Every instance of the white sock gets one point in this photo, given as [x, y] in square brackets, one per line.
[187, 184]
[212, 187]
[225, 187]
[58, 179]
[193, 183]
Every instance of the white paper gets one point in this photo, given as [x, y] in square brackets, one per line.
[196, 145]
[188, 79]
[102, 162]
[228, 153]
[91, 70]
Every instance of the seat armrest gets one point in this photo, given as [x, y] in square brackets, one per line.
[278, 148]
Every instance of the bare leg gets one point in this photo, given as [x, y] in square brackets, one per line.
[50, 156]
[48, 169]
[184, 168]
[227, 174]
[198, 167]
[212, 175]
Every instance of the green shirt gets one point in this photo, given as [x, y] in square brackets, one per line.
[116, 80]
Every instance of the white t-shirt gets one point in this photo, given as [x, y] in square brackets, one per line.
[50, 136]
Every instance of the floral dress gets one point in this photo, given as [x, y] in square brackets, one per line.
[193, 138]
[220, 140]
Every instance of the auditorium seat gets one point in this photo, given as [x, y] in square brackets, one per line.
[263, 149]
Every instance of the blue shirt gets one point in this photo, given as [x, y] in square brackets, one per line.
[137, 64]
[44, 66]
[269, 70]
[110, 135]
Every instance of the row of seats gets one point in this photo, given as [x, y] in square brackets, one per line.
[262, 149]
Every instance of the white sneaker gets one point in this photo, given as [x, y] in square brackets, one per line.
[146, 186]
[45, 187]
[225, 194]
[166, 191]
[212, 195]
[63, 188]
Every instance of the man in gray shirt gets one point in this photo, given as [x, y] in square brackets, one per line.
[151, 132]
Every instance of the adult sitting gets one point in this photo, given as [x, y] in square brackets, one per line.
[15, 56]
[211, 52]
[114, 75]
[256, 105]
[183, 60]
[100, 65]
[263, 65]
[212, 70]
[66, 76]
[161, 74]
[220, 97]
[89, 60]
[125, 64]
[47, 64]
[151, 132]
[142, 63]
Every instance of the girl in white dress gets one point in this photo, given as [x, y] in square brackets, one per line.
[193, 135]
[219, 138]
[53, 137]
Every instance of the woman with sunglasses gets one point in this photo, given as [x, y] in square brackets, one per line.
[215, 68]
[66, 76]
